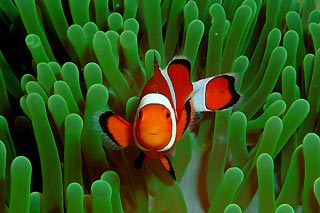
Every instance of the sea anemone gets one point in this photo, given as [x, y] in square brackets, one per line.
[64, 62]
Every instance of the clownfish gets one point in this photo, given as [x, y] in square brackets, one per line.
[168, 105]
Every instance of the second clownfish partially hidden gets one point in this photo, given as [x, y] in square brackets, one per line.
[167, 106]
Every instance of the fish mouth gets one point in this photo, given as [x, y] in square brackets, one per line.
[153, 134]
[152, 140]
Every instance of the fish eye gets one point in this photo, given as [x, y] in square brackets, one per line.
[140, 115]
[168, 115]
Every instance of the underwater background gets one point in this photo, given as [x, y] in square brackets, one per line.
[64, 62]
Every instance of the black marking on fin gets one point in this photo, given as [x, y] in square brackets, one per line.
[187, 107]
[138, 163]
[171, 172]
[235, 95]
[103, 118]
[185, 62]
[154, 57]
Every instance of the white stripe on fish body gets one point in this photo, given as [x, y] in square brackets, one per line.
[157, 98]
[198, 95]
[172, 93]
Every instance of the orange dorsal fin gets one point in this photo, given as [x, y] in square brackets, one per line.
[178, 71]
[117, 130]
[157, 84]
[215, 93]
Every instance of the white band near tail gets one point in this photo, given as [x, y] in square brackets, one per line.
[199, 95]
[157, 98]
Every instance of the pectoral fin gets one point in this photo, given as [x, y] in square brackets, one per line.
[116, 129]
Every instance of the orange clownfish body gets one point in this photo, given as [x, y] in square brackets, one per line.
[167, 106]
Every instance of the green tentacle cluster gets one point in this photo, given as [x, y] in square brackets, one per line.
[79, 58]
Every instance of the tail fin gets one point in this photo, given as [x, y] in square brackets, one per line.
[215, 93]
